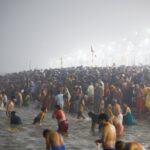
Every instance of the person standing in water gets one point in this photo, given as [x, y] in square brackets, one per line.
[128, 118]
[117, 111]
[40, 117]
[81, 107]
[108, 138]
[14, 119]
[1, 102]
[10, 106]
[61, 119]
[54, 140]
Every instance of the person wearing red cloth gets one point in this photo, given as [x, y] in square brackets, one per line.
[61, 119]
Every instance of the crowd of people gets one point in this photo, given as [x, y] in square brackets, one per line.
[121, 93]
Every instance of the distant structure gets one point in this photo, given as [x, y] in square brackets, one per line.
[92, 52]
[29, 64]
[61, 62]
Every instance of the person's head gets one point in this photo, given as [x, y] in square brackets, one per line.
[44, 92]
[125, 105]
[45, 132]
[12, 98]
[44, 109]
[119, 145]
[103, 117]
[109, 106]
[115, 101]
[91, 83]
[90, 114]
[3, 92]
[57, 107]
[13, 113]
[17, 92]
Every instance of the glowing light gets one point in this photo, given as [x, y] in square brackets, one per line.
[148, 30]
[144, 42]
[127, 51]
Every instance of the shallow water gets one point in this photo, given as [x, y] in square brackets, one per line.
[29, 137]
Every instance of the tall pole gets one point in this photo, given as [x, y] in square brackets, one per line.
[29, 64]
[134, 60]
[92, 51]
[92, 58]
[149, 60]
[61, 62]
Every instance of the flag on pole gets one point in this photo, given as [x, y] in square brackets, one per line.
[92, 49]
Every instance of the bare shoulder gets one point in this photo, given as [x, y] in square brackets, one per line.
[121, 145]
[135, 146]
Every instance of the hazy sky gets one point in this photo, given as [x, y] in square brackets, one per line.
[37, 33]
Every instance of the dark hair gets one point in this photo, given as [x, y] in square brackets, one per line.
[12, 97]
[103, 116]
[90, 114]
[45, 131]
[13, 113]
[43, 109]
[57, 107]
[119, 144]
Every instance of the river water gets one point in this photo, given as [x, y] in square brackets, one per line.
[29, 137]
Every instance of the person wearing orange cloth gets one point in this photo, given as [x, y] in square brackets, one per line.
[40, 117]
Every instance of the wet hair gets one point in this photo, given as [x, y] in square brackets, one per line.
[90, 114]
[45, 131]
[13, 113]
[118, 145]
[122, 145]
[43, 109]
[12, 97]
[57, 107]
[103, 116]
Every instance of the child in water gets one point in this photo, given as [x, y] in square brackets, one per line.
[39, 118]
